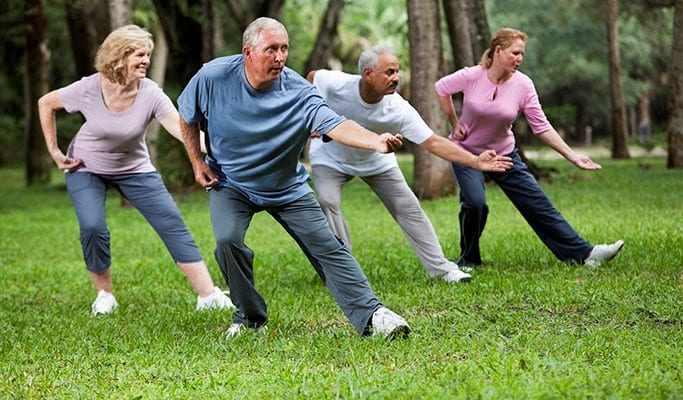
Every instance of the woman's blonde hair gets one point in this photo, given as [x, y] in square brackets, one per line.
[117, 46]
[503, 38]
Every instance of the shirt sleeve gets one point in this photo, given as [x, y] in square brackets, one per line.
[533, 111]
[452, 83]
[321, 80]
[413, 127]
[163, 104]
[319, 116]
[191, 104]
[71, 96]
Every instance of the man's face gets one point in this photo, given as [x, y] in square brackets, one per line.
[384, 78]
[266, 60]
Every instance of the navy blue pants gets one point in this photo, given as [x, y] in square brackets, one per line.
[231, 213]
[148, 194]
[520, 186]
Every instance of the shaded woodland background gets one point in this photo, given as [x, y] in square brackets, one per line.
[607, 71]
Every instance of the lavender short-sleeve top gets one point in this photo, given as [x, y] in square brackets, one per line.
[113, 142]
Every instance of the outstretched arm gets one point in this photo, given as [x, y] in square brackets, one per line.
[448, 150]
[171, 123]
[555, 141]
[351, 134]
[191, 139]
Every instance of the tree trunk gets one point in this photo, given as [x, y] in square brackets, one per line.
[208, 30]
[158, 74]
[245, 11]
[271, 8]
[432, 175]
[468, 30]
[644, 119]
[322, 49]
[38, 161]
[186, 37]
[618, 111]
[480, 31]
[458, 25]
[324, 43]
[580, 122]
[675, 129]
[88, 24]
[119, 13]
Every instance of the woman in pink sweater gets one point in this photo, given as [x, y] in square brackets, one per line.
[494, 94]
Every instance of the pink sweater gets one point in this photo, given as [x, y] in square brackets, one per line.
[489, 110]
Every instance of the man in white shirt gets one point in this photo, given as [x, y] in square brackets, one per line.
[371, 100]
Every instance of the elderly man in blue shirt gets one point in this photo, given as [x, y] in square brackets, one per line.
[259, 115]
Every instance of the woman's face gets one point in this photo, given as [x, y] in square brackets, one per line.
[137, 63]
[509, 59]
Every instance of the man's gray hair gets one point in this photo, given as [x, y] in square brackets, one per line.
[369, 58]
[251, 33]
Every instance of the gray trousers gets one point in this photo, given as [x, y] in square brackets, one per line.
[393, 190]
[231, 214]
[148, 194]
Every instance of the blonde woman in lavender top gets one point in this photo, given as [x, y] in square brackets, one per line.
[118, 102]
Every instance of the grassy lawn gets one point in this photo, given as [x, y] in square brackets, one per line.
[527, 326]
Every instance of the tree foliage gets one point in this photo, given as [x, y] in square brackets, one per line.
[566, 53]
[567, 57]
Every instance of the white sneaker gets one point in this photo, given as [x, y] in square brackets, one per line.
[389, 324]
[237, 329]
[216, 300]
[603, 253]
[466, 268]
[105, 303]
[456, 275]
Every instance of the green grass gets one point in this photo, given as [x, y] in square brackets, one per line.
[527, 326]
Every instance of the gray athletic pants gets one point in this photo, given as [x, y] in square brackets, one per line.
[231, 214]
[148, 194]
[392, 188]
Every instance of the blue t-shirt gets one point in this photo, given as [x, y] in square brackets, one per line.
[255, 138]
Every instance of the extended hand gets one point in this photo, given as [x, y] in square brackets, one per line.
[584, 162]
[489, 161]
[388, 143]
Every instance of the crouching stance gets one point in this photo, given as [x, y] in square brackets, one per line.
[109, 150]
[259, 115]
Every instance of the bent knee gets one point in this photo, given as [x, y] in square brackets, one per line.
[94, 232]
[229, 240]
[475, 204]
[329, 203]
